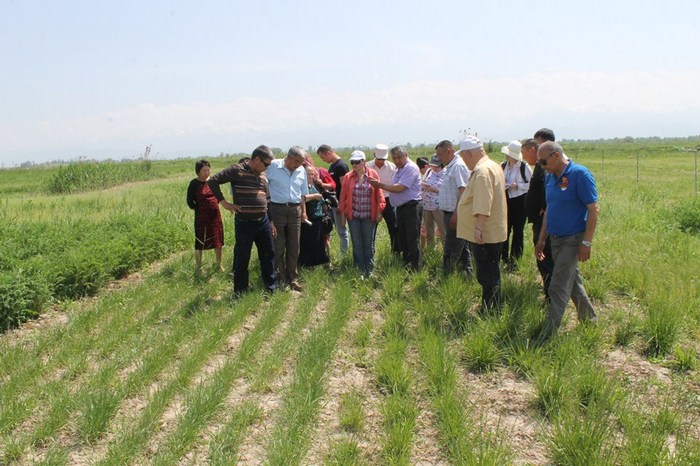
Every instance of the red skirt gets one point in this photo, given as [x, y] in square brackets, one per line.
[208, 228]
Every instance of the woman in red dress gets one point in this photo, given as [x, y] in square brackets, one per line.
[208, 228]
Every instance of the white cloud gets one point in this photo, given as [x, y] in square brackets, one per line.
[453, 103]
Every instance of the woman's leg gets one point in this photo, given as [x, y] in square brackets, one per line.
[217, 253]
[197, 260]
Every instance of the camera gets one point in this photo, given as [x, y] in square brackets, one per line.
[329, 197]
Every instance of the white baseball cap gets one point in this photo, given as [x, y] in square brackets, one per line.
[381, 151]
[471, 142]
[357, 155]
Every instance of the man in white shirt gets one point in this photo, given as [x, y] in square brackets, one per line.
[385, 170]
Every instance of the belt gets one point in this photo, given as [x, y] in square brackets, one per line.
[287, 204]
[258, 219]
[565, 236]
[408, 204]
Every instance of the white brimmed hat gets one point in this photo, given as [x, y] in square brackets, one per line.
[471, 142]
[357, 155]
[513, 150]
[381, 151]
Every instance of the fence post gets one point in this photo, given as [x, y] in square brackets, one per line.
[602, 161]
[696, 172]
[637, 167]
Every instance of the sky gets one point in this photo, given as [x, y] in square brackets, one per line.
[99, 79]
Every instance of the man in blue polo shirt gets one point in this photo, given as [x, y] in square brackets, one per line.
[288, 188]
[570, 222]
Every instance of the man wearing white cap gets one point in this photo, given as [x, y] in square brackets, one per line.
[482, 218]
[404, 192]
[518, 175]
[385, 170]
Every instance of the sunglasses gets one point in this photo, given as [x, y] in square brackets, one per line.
[355, 162]
[543, 162]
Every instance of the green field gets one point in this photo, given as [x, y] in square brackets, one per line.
[135, 360]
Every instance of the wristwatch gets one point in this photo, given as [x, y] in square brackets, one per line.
[588, 244]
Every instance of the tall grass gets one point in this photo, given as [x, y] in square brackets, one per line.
[83, 176]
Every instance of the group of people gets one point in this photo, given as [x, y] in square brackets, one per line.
[287, 208]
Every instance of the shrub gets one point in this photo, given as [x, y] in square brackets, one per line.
[78, 275]
[661, 328]
[625, 332]
[686, 216]
[22, 295]
[685, 360]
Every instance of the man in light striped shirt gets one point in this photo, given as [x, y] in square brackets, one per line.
[453, 183]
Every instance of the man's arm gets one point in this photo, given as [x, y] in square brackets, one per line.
[479, 227]
[539, 247]
[584, 252]
[224, 176]
[392, 188]
[453, 219]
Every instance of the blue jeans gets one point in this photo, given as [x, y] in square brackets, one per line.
[362, 234]
[247, 233]
[342, 232]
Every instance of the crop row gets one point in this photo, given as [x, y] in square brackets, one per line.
[174, 368]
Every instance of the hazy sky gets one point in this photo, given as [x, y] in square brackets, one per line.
[106, 78]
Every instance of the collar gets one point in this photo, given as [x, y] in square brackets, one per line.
[566, 171]
[453, 161]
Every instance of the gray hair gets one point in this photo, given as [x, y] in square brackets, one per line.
[398, 149]
[296, 151]
[550, 147]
